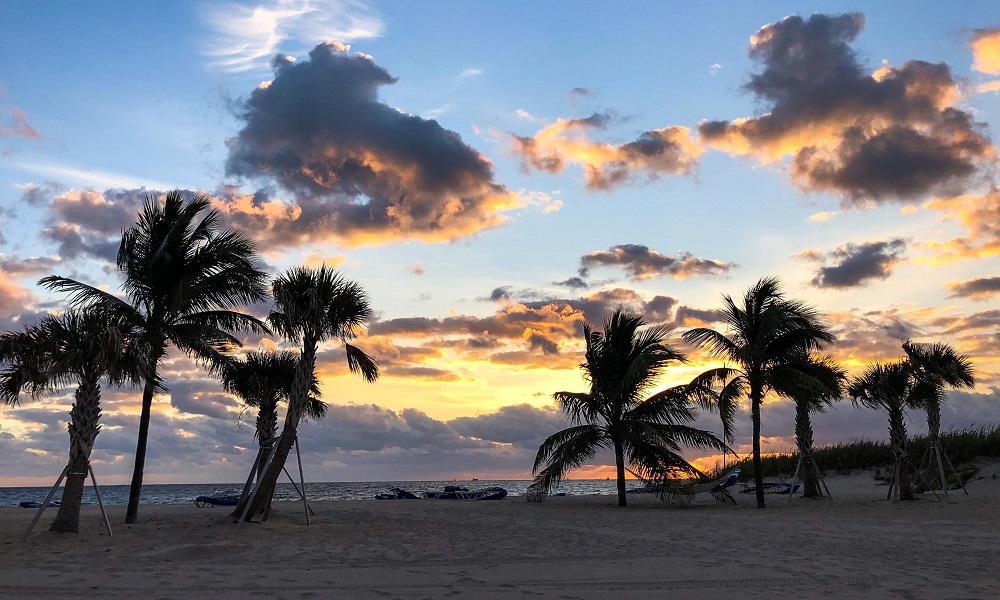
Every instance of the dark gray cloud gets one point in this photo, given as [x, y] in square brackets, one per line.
[977, 288]
[642, 263]
[573, 283]
[523, 425]
[855, 265]
[889, 135]
[360, 170]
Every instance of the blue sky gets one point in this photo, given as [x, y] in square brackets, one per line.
[725, 158]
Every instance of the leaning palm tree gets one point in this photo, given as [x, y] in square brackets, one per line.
[936, 367]
[262, 380]
[810, 400]
[765, 342]
[77, 348]
[889, 387]
[622, 364]
[183, 278]
[310, 306]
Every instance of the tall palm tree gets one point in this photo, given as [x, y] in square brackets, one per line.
[310, 306]
[261, 380]
[622, 364]
[183, 278]
[889, 387]
[809, 400]
[765, 342]
[78, 348]
[936, 367]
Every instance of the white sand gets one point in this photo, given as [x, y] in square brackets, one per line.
[573, 547]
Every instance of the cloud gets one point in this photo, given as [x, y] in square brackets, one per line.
[88, 177]
[86, 222]
[714, 69]
[24, 267]
[360, 170]
[578, 92]
[856, 264]
[246, 38]
[642, 263]
[977, 288]
[15, 303]
[985, 46]
[667, 151]
[978, 214]
[14, 123]
[472, 72]
[890, 135]
[573, 283]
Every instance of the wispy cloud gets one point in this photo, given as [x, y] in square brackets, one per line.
[74, 176]
[248, 37]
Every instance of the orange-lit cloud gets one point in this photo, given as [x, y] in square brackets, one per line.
[977, 288]
[892, 134]
[361, 171]
[978, 214]
[14, 123]
[985, 46]
[656, 152]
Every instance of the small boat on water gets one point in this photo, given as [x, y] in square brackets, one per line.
[203, 501]
[457, 492]
[397, 494]
[31, 504]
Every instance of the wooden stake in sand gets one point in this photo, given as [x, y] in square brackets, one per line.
[52, 492]
[819, 475]
[936, 454]
[252, 478]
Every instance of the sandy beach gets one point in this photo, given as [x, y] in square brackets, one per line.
[856, 546]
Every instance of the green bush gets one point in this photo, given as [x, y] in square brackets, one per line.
[963, 447]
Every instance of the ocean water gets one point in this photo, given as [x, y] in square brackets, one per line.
[183, 493]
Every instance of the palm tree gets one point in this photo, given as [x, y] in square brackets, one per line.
[722, 397]
[766, 340]
[183, 277]
[935, 367]
[310, 306]
[807, 401]
[261, 380]
[622, 364]
[889, 387]
[81, 348]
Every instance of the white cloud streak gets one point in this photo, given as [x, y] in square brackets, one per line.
[247, 38]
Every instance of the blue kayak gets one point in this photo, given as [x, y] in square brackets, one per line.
[203, 501]
[30, 504]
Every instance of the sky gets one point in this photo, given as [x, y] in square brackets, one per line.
[495, 176]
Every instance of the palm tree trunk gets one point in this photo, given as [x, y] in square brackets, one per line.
[267, 426]
[620, 473]
[804, 441]
[135, 490]
[83, 430]
[897, 437]
[261, 505]
[756, 397]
